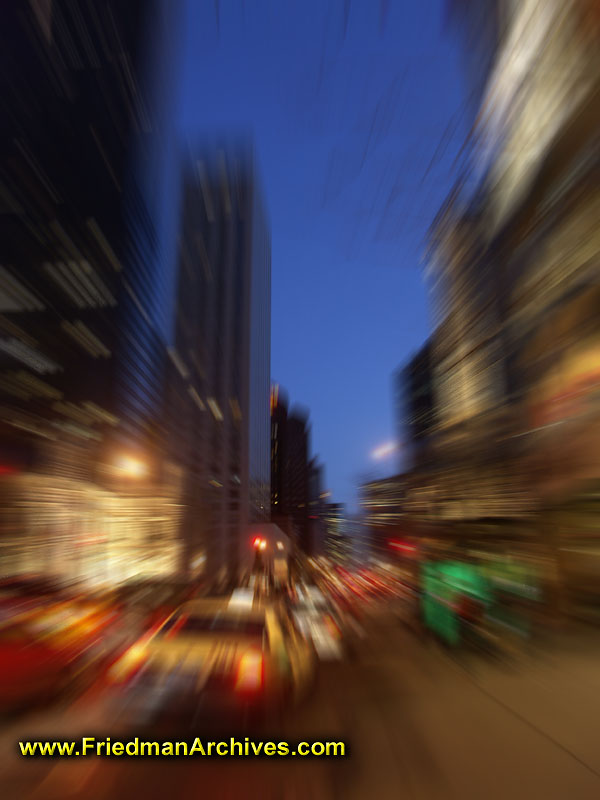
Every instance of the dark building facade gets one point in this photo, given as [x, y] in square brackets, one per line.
[82, 354]
[280, 507]
[78, 243]
[415, 404]
[219, 400]
[514, 260]
[297, 474]
[290, 470]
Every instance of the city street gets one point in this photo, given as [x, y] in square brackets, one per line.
[419, 723]
[300, 400]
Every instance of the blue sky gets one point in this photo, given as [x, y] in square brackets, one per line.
[357, 113]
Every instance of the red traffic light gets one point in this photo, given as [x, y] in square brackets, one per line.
[259, 543]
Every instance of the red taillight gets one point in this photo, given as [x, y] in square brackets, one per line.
[250, 672]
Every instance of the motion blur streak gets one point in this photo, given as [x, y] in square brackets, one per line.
[173, 565]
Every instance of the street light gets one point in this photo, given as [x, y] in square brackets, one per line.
[384, 450]
[131, 467]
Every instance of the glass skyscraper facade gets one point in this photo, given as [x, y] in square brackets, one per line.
[222, 350]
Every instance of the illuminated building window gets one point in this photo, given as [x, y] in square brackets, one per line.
[14, 296]
[29, 356]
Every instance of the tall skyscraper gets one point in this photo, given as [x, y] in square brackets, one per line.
[279, 477]
[82, 358]
[297, 474]
[221, 352]
[77, 242]
[290, 469]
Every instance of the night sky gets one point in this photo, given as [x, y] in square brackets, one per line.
[357, 110]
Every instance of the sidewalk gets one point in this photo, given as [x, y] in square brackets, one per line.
[555, 690]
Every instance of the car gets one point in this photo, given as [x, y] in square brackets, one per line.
[149, 595]
[216, 657]
[45, 650]
[145, 603]
[315, 618]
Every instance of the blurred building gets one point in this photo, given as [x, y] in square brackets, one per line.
[82, 357]
[363, 550]
[477, 476]
[338, 541]
[143, 382]
[383, 514]
[219, 394]
[415, 408]
[316, 485]
[280, 506]
[298, 473]
[69, 250]
[290, 470]
[514, 269]
[542, 206]
[316, 506]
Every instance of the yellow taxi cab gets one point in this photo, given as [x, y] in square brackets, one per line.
[217, 655]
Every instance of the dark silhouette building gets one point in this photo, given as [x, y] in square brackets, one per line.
[415, 404]
[82, 287]
[297, 474]
[80, 349]
[279, 475]
[290, 448]
[219, 396]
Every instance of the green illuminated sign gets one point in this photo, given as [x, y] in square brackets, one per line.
[444, 584]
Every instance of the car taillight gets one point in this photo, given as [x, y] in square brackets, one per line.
[250, 672]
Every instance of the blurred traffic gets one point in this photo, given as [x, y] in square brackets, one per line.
[191, 650]
[179, 649]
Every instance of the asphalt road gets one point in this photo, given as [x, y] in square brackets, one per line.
[416, 724]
